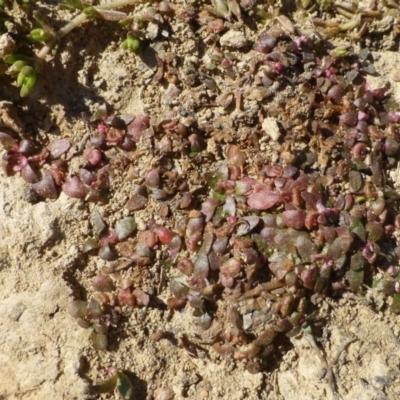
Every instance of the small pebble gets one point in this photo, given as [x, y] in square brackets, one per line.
[271, 128]
[234, 39]
[163, 394]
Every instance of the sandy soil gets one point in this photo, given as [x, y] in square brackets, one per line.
[45, 355]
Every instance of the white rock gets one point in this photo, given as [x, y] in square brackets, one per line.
[7, 45]
[235, 39]
[271, 128]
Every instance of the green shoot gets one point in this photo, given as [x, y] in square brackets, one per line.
[26, 80]
[40, 35]
[131, 43]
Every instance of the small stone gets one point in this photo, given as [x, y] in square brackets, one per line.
[271, 128]
[204, 394]
[395, 75]
[152, 30]
[163, 394]
[7, 45]
[247, 321]
[234, 39]
[17, 311]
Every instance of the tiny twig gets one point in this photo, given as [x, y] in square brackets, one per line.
[341, 350]
[321, 354]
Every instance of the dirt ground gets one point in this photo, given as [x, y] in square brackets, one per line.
[44, 354]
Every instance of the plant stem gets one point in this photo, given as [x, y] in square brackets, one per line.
[79, 20]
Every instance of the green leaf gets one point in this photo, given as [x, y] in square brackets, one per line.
[26, 76]
[44, 23]
[26, 79]
[369, 69]
[16, 68]
[355, 279]
[124, 386]
[352, 75]
[219, 196]
[12, 58]
[73, 4]
[339, 52]
[125, 22]
[99, 341]
[132, 43]
[106, 386]
[262, 245]
[90, 12]
[395, 306]
[358, 229]
[40, 35]
[364, 54]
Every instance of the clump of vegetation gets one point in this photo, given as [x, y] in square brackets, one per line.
[46, 40]
[252, 244]
[269, 242]
[118, 380]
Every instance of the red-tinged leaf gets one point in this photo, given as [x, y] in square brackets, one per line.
[93, 156]
[126, 298]
[208, 207]
[201, 266]
[281, 267]
[58, 147]
[46, 187]
[301, 183]
[294, 218]
[310, 199]
[77, 308]
[142, 298]
[103, 283]
[57, 175]
[73, 187]
[164, 235]
[136, 202]
[311, 219]
[87, 177]
[242, 187]
[261, 187]
[273, 170]
[139, 124]
[263, 200]
[29, 175]
[146, 238]
[232, 267]
[308, 277]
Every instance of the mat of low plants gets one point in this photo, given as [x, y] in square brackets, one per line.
[236, 167]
